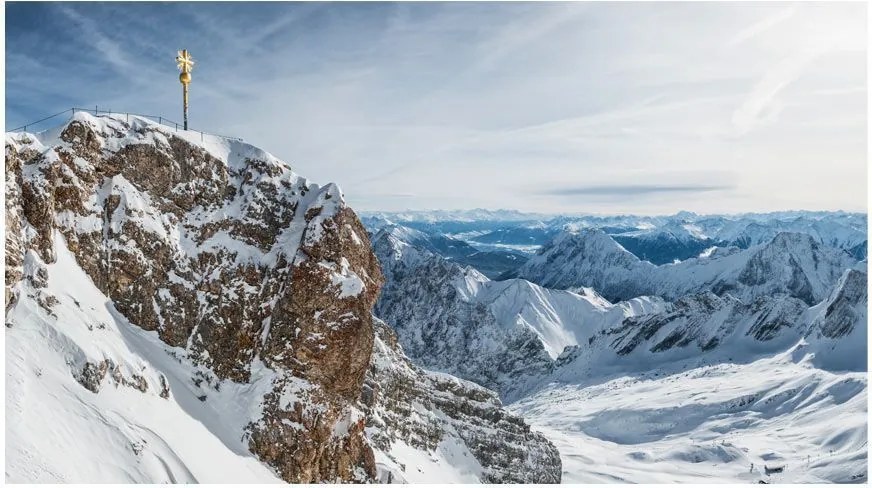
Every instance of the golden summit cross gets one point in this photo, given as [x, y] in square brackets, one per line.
[185, 63]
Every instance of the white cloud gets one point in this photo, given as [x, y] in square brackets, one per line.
[449, 105]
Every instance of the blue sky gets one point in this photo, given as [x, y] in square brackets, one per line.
[560, 107]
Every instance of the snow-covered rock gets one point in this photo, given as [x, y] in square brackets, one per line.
[167, 290]
[791, 263]
[499, 334]
[430, 302]
[222, 250]
[839, 325]
[427, 426]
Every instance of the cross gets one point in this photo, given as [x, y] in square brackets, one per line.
[184, 61]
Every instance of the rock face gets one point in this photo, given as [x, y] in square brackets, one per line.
[431, 303]
[407, 406]
[845, 306]
[224, 252]
[499, 334]
[704, 321]
[838, 330]
[231, 259]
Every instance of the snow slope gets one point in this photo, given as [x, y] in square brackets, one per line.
[56, 429]
[709, 424]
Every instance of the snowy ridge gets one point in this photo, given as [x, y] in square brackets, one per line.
[790, 263]
[745, 360]
[231, 297]
[446, 314]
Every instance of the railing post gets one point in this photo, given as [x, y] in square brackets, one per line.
[95, 110]
[160, 120]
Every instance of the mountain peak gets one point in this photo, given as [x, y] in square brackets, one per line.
[209, 267]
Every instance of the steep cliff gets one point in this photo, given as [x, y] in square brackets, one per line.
[253, 279]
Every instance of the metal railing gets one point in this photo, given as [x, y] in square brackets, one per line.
[97, 112]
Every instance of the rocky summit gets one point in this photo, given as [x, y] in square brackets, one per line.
[204, 273]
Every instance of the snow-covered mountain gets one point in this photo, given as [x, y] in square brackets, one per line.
[451, 318]
[713, 389]
[846, 232]
[675, 240]
[711, 328]
[183, 309]
[633, 390]
[659, 239]
[791, 263]
[431, 303]
[589, 258]
[491, 263]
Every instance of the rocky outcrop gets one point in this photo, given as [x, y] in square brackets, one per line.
[227, 255]
[838, 326]
[845, 306]
[14, 217]
[409, 406]
[232, 257]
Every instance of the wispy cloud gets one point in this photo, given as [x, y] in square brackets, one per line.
[630, 190]
[759, 105]
[447, 105]
[764, 25]
[108, 50]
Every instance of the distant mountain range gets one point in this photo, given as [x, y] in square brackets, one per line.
[660, 240]
[772, 305]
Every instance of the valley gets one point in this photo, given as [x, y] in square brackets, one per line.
[742, 363]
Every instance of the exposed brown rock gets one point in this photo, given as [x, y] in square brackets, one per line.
[125, 206]
[241, 262]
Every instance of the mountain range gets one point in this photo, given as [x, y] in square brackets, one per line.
[182, 308]
[584, 314]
